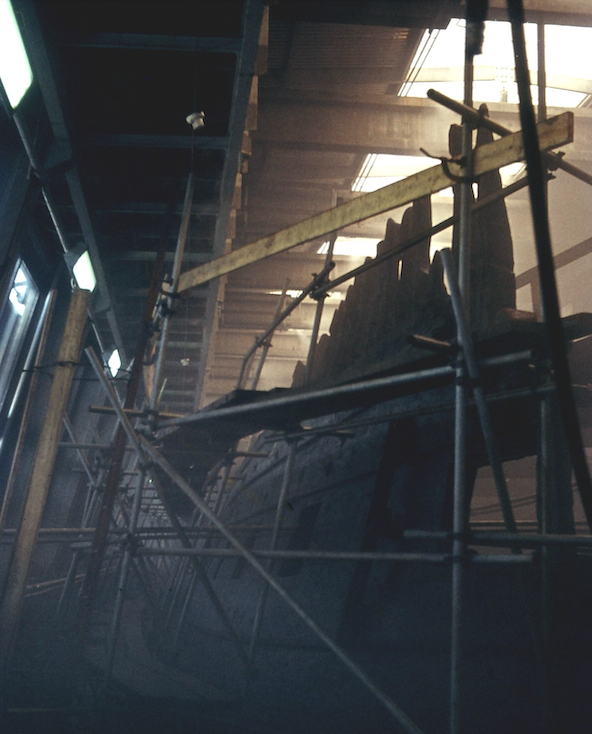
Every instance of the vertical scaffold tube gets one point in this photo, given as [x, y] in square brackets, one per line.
[549, 296]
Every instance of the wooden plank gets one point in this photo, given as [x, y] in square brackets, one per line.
[552, 133]
[22, 435]
[42, 471]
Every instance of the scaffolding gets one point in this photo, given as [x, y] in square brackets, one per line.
[130, 527]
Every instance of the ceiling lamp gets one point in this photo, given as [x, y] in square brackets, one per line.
[15, 70]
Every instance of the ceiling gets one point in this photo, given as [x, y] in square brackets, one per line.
[283, 89]
[295, 94]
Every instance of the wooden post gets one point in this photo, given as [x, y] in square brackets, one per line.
[20, 443]
[42, 472]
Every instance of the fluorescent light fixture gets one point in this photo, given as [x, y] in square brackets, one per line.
[382, 169]
[352, 247]
[330, 295]
[291, 293]
[84, 273]
[114, 362]
[15, 70]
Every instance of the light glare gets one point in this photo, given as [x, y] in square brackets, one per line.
[114, 362]
[15, 70]
[351, 247]
[567, 60]
[382, 169]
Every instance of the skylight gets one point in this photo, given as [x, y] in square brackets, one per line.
[439, 63]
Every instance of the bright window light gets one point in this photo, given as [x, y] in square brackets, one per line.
[84, 273]
[114, 362]
[567, 60]
[351, 247]
[15, 316]
[423, 50]
[15, 70]
[19, 291]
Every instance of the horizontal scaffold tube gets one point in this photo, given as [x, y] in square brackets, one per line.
[331, 555]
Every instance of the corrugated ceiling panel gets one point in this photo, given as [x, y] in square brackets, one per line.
[328, 46]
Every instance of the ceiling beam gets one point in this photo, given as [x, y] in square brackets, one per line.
[152, 42]
[341, 126]
[400, 14]
[150, 256]
[552, 133]
[252, 26]
[135, 140]
[142, 207]
[380, 125]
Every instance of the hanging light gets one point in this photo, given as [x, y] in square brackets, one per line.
[15, 70]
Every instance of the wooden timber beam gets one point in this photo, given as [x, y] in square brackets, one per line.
[153, 42]
[43, 467]
[552, 133]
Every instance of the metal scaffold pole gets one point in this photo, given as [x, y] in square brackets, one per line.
[472, 370]
[267, 343]
[124, 571]
[548, 284]
[179, 530]
[114, 471]
[407, 724]
[281, 505]
[355, 556]
[473, 41]
[164, 334]
[320, 298]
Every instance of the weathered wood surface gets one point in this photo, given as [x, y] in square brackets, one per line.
[386, 304]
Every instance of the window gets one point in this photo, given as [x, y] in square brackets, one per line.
[15, 317]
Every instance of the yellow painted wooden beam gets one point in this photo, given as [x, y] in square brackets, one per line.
[552, 133]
